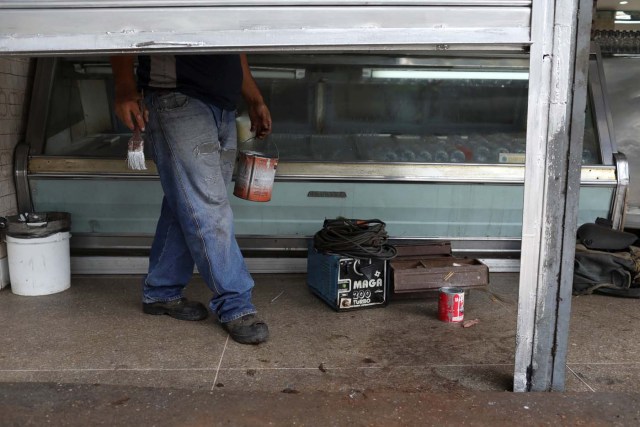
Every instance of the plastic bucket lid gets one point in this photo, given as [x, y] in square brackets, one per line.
[37, 224]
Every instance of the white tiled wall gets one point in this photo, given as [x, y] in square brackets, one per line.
[14, 99]
[14, 78]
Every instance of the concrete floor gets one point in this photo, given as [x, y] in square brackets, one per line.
[93, 342]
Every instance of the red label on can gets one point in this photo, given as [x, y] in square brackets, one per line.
[451, 305]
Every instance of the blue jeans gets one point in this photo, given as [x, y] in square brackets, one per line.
[194, 147]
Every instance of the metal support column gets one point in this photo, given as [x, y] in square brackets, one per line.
[557, 97]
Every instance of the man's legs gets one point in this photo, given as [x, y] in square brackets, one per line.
[194, 149]
[170, 262]
[170, 268]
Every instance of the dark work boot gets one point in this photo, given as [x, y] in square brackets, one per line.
[247, 329]
[181, 309]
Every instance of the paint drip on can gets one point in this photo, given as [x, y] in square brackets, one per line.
[451, 305]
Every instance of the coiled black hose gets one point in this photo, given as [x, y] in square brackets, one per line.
[356, 238]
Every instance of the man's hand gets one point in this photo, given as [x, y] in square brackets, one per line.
[128, 109]
[260, 120]
[258, 111]
[128, 102]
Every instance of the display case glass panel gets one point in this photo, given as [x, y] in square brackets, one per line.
[339, 108]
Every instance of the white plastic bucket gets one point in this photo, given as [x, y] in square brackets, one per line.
[39, 266]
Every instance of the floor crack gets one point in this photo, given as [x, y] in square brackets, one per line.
[215, 380]
[580, 378]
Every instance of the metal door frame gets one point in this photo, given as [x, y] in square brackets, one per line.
[559, 64]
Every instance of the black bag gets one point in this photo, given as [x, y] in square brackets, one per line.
[606, 261]
[614, 273]
[602, 237]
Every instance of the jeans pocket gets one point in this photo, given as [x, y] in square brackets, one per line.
[171, 101]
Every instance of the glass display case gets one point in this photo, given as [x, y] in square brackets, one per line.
[432, 145]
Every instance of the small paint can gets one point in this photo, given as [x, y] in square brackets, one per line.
[451, 305]
[255, 175]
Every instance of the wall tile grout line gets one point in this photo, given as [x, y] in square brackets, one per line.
[215, 380]
[329, 368]
[104, 370]
[580, 378]
[604, 363]
[218, 368]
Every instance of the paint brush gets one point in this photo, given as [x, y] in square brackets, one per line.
[135, 155]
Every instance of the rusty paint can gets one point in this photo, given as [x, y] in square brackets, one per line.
[451, 305]
[255, 175]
